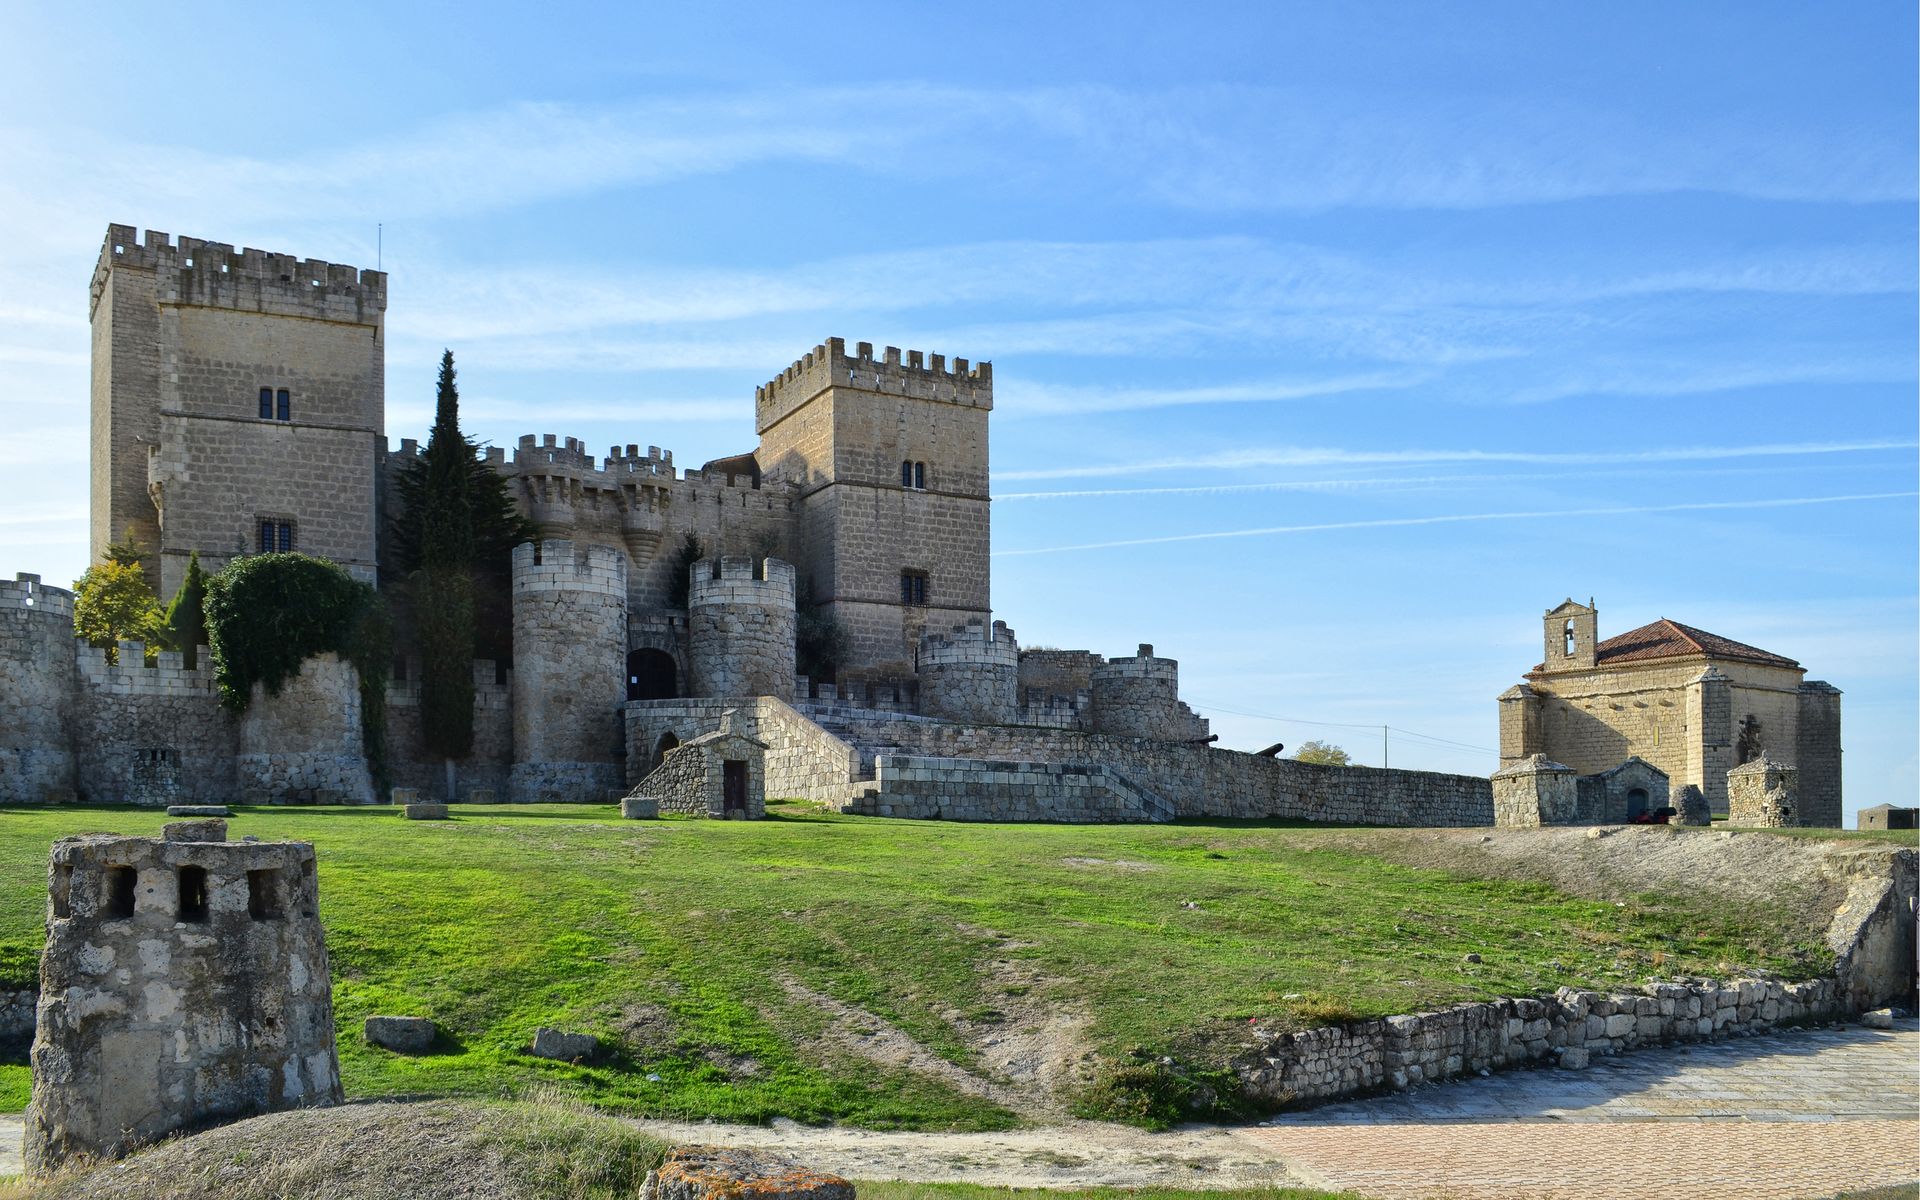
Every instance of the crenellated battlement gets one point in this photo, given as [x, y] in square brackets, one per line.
[25, 591]
[558, 565]
[133, 676]
[214, 274]
[975, 642]
[914, 373]
[737, 580]
[1143, 665]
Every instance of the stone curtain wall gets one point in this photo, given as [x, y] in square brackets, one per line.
[492, 757]
[1403, 1051]
[157, 735]
[167, 1001]
[303, 746]
[37, 678]
[569, 677]
[1140, 697]
[741, 627]
[966, 789]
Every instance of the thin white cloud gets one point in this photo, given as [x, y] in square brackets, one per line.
[1387, 482]
[1457, 518]
[1302, 456]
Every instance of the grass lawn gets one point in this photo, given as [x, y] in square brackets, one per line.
[671, 940]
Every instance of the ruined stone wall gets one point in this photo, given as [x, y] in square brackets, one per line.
[971, 674]
[1568, 1030]
[183, 980]
[155, 735]
[741, 624]
[492, 758]
[1817, 754]
[969, 789]
[303, 746]
[569, 677]
[1764, 794]
[38, 685]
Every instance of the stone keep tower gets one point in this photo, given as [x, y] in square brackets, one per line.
[890, 461]
[37, 676]
[971, 674]
[741, 626]
[238, 397]
[184, 979]
[570, 648]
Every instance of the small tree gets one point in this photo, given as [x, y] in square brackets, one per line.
[113, 603]
[128, 552]
[187, 615]
[1325, 753]
[691, 551]
[820, 642]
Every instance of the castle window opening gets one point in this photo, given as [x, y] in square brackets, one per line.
[1636, 803]
[275, 536]
[283, 405]
[263, 895]
[266, 404]
[920, 476]
[913, 587]
[499, 672]
[121, 882]
[193, 895]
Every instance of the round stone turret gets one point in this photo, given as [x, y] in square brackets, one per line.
[970, 674]
[37, 677]
[741, 621]
[569, 671]
[303, 744]
[1138, 697]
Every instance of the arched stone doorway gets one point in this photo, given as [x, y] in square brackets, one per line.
[652, 675]
[1636, 803]
[667, 742]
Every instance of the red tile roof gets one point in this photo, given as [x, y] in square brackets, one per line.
[1671, 639]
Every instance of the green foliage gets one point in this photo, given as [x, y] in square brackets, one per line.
[455, 511]
[187, 615]
[820, 642]
[130, 551]
[19, 966]
[443, 625]
[691, 551]
[113, 603]
[1159, 1093]
[1325, 753]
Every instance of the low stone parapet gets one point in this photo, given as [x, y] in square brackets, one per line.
[1571, 1027]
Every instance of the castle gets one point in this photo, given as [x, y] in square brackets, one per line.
[238, 405]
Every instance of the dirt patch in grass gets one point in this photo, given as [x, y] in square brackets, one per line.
[545, 1149]
[1110, 864]
[1803, 879]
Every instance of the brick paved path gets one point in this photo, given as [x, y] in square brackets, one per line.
[1790, 1116]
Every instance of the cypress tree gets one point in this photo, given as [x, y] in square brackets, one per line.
[187, 614]
[442, 581]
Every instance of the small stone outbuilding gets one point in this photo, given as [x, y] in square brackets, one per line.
[720, 774]
[1622, 795]
[1889, 816]
[184, 980]
[1534, 791]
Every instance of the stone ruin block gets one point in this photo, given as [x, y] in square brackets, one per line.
[1535, 791]
[424, 812]
[717, 1172]
[1763, 793]
[1690, 806]
[184, 980]
[404, 1035]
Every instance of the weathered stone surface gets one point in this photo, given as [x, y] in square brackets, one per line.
[214, 830]
[199, 810]
[1535, 791]
[691, 777]
[425, 812]
[741, 627]
[570, 637]
[636, 807]
[564, 1046]
[406, 1035]
[182, 980]
[729, 1172]
[1690, 807]
[1763, 793]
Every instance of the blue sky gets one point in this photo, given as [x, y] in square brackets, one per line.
[1332, 343]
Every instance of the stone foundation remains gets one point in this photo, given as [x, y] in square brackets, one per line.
[184, 979]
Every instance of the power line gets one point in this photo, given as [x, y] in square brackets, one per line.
[1422, 737]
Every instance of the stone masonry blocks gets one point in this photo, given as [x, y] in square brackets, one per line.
[570, 645]
[742, 624]
[183, 980]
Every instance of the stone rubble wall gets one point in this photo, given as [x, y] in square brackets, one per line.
[965, 789]
[803, 760]
[971, 673]
[303, 746]
[16, 1016]
[1140, 697]
[486, 769]
[679, 783]
[158, 1013]
[157, 735]
[1570, 1028]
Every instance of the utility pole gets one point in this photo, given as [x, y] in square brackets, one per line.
[1385, 761]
